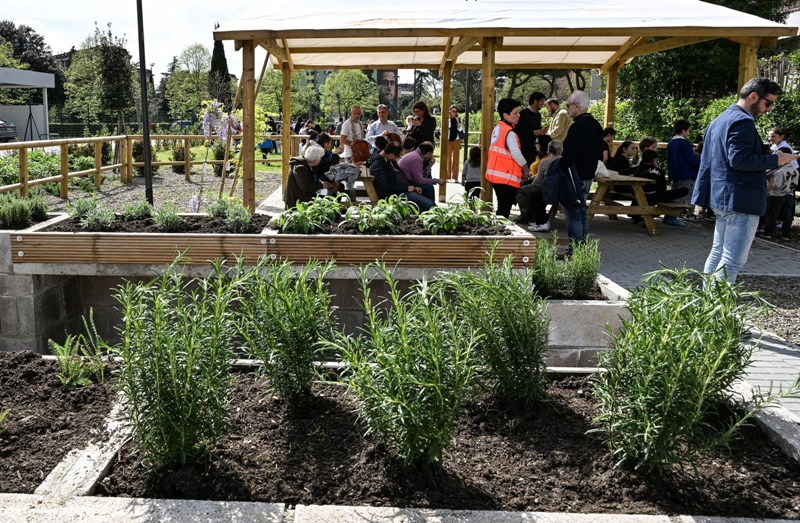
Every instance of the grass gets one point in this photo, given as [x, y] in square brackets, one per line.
[199, 152]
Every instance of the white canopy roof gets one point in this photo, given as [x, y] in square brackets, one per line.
[12, 78]
[535, 33]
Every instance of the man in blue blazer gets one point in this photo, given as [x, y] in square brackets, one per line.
[732, 179]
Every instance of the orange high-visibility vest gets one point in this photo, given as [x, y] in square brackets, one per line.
[501, 167]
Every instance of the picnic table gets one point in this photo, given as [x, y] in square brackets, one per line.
[602, 203]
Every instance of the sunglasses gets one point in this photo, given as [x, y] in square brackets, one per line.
[768, 103]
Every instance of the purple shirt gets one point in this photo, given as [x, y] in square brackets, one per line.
[413, 165]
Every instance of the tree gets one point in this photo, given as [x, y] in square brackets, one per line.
[346, 88]
[187, 86]
[83, 83]
[28, 47]
[270, 97]
[219, 79]
[117, 80]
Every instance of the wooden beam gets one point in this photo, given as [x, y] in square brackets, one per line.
[286, 147]
[444, 56]
[748, 63]
[261, 76]
[288, 55]
[422, 65]
[277, 51]
[444, 146]
[487, 110]
[662, 45]
[624, 48]
[247, 154]
[611, 97]
[464, 44]
[333, 49]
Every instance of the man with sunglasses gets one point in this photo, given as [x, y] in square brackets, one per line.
[733, 176]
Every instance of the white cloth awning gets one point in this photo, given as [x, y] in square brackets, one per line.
[418, 33]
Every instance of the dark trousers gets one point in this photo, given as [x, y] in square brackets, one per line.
[779, 208]
[506, 197]
[468, 186]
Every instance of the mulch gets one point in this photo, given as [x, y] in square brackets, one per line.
[46, 419]
[503, 457]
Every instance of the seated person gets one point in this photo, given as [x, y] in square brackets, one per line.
[413, 165]
[657, 191]
[529, 196]
[378, 145]
[608, 137]
[389, 178]
[302, 184]
[621, 159]
[409, 144]
[330, 158]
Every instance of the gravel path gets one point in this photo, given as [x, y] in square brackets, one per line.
[167, 187]
[784, 294]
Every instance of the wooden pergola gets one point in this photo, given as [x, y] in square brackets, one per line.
[485, 35]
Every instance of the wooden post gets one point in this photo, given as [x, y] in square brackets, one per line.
[611, 96]
[286, 146]
[64, 189]
[130, 159]
[487, 110]
[187, 159]
[748, 61]
[98, 164]
[23, 171]
[123, 155]
[247, 153]
[444, 153]
[228, 139]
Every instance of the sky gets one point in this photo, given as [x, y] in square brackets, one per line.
[169, 26]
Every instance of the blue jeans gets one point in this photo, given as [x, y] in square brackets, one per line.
[428, 191]
[733, 235]
[423, 203]
[577, 222]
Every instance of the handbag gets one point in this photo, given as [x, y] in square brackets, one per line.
[360, 151]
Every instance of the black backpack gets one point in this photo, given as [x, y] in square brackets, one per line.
[560, 185]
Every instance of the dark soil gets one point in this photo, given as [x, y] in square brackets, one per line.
[503, 458]
[193, 224]
[411, 226]
[46, 420]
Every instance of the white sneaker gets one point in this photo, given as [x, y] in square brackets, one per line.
[539, 228]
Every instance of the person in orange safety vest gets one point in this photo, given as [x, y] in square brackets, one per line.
[506, 166]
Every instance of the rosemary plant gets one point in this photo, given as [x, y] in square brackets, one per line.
[176, 355]
[167, 219]
[137, 210]
[410, 370]
[99, 218]
[512, 322]
[283, 316]
[80, 207]
[237, 218]
[664, 395]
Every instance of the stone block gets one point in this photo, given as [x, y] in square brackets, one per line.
[9, 324]
[16, 285]
[6, 266]
[9, 344]
[26, 315]
[561, 357]
[576, 323]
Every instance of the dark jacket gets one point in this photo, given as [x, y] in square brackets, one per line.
[302, 184]
[583, 146]
[682, 162]
[424, 131]
[529, 121]
[733, 168]
[389, 178]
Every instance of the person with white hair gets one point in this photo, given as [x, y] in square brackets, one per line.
[303, 184]
[583, 148]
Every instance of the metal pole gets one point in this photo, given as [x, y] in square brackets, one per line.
[466, 116]
[148, 175]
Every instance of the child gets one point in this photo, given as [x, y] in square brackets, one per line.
[471, 177]
[780, 203]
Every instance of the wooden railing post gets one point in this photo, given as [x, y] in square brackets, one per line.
[123, 155]
[187, 158]
[98, 164]
[130, 159]
[64, 189]
[23, 171]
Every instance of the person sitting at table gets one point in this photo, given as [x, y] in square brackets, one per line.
[390, 179]
[648, 142]
[526, 187]
[542, 141]
[657, 192]
[529, 196]
[414, 166]
[302, 184]
[620, 161]
[329, 159]
[409, 144]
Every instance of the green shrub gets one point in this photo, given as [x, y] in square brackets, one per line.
[80, 207]
[664, 395]
[81, 163]
[179, 155]
[410, 370]
[382, 217]
[15, 213]
[81, 358]
[40, 165]
[238, 218]
[575, 277]
[166, 218]
[310, 217]
[219, 154]
[283, 317]
[38, 207]
[137, 210]
[137, 151]
[219, 207]
[512, 322]
[100, 218]
[176, 363]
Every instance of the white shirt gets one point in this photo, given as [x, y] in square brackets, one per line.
[784, 143]
[377, 128]
[353, 131]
